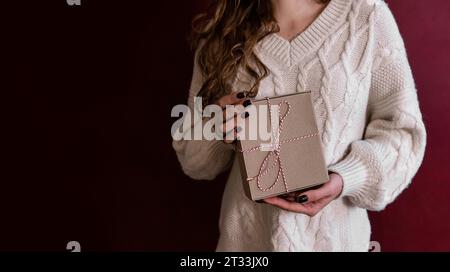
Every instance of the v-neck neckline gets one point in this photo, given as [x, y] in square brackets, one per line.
[289, 52]
[305, 29]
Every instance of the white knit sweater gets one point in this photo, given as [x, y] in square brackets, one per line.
[353, 60]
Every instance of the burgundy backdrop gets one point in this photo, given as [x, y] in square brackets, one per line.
[87, 145]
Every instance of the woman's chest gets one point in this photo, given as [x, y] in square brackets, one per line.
[334, 87]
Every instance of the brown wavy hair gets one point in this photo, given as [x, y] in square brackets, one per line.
[225, 37]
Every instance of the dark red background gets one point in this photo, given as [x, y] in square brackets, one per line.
[86, 125]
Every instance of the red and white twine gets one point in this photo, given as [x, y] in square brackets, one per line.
[263, 170]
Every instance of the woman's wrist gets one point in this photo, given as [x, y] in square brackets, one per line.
[338, 185]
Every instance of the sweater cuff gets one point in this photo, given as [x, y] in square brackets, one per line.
[354, 174]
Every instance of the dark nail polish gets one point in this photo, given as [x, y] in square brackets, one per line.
[247, 103]
[302, 199]
[245, 115]
[240, 95]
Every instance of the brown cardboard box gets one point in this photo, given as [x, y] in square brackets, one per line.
[299, 151]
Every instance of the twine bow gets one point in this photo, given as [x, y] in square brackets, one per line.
[264, 170]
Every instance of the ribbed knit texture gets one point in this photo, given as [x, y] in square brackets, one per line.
[352, 58]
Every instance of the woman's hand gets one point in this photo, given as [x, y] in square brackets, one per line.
[310, 202]
[230, 127]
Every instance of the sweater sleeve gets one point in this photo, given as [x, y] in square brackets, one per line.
[201, 159]
[382, 164]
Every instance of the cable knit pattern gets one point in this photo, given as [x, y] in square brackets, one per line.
[353, 60]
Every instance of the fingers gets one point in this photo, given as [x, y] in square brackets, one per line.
[310, 202]
[315, 195]
[233, 116]
[231, 129]
[292, 196]
[289, 205]
[228, 112]
[310, 208]
[307, 196]
[231, 99]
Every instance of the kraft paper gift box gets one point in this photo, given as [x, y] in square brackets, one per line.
[295, 161]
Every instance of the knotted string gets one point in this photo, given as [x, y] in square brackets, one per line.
[264, 170]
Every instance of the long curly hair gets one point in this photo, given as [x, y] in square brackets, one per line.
[225, 37]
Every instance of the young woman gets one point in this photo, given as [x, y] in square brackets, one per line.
[350, 55]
